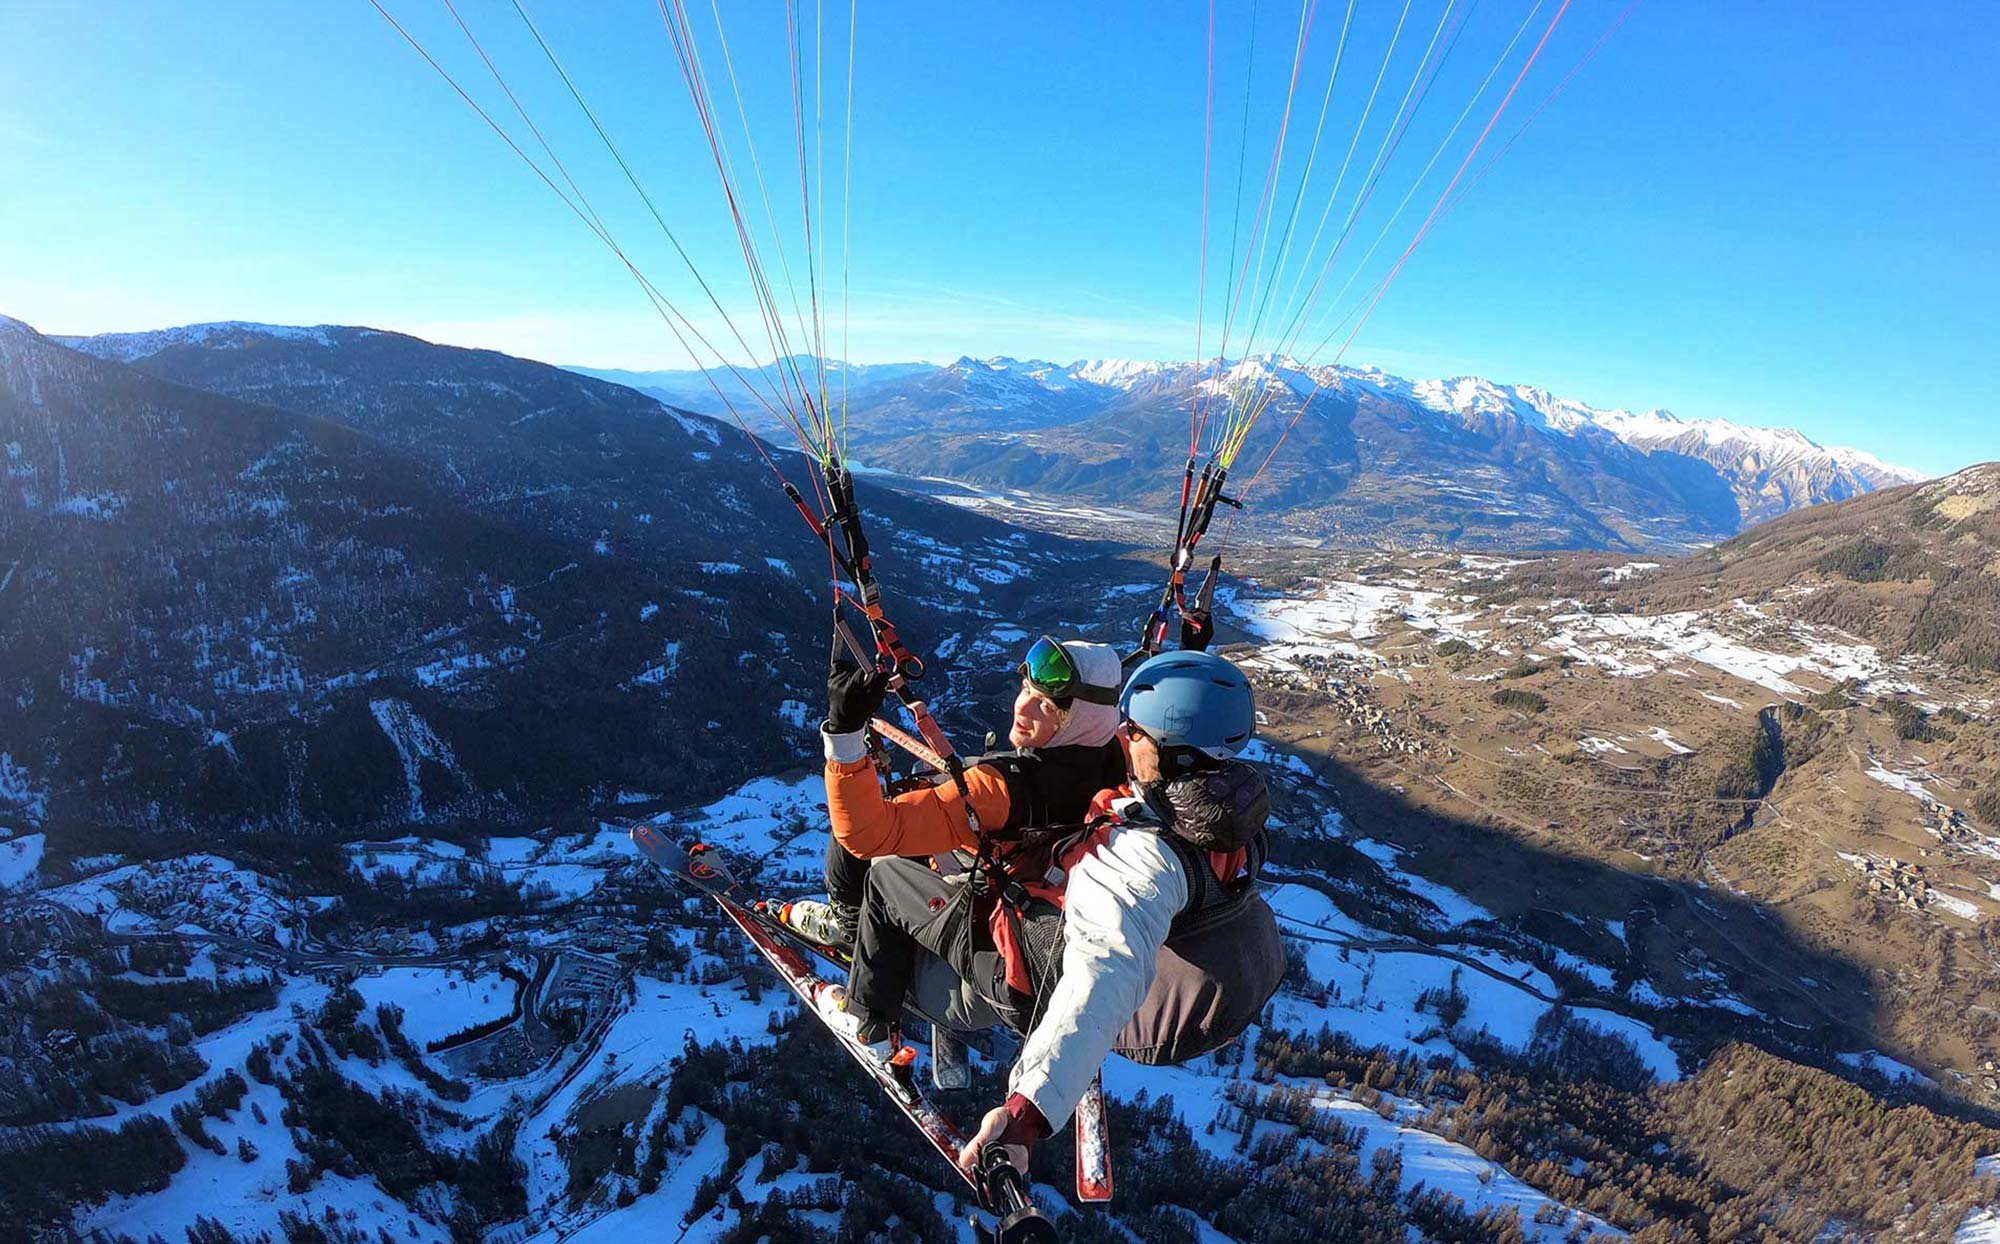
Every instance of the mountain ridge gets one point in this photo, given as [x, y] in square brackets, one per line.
[1460, 461]
[1653, 427]
[1370, 458]
[267, 562]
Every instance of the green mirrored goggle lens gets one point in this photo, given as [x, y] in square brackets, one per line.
[1049, 668]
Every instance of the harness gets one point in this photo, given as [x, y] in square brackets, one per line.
[1218, 966]
[1033, 872]
[1054, 786]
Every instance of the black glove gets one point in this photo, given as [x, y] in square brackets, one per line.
[1198, 619]
[853, 696]
[1197, 628]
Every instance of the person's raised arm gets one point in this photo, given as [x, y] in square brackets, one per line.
[927, 821]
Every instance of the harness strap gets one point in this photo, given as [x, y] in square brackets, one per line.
[1199, 512]
[1210, 899]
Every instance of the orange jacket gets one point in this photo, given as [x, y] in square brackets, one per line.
[929, 821]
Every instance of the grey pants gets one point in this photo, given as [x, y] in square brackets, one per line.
[919, 940]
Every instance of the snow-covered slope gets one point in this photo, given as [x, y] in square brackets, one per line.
[226, 334]
[1771, 470]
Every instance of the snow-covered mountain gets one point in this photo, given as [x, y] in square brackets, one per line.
[223, 335]
[1772, 470]
[749, 389]
[1461, 460]
[1017, 391]
[1373, 457]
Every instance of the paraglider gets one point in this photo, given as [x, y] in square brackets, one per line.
[1060, 913]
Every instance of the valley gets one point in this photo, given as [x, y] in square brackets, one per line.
[1746, 798]
[319, 920]
[1371, 459]
[753, 623]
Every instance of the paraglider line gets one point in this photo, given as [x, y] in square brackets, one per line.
[1417, 241]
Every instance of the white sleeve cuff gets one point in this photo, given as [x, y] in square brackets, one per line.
[844, 749]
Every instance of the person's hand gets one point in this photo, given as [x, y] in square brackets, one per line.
[853, 696]
[1198, 619]
[1197, 629]
[990, 1127]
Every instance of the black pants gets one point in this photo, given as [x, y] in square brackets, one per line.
[921, 940]
[846, 875]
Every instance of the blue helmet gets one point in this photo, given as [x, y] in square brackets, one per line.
[1191, 701]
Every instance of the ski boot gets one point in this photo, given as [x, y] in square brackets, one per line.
[829, 924]
[830, 1001]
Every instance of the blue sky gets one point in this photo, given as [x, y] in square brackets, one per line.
[1778, 213]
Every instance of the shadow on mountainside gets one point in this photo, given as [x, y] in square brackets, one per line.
[1692, 941]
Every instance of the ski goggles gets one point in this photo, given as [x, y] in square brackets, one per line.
[1051, 670]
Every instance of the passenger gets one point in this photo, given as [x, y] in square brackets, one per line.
[1065, 714]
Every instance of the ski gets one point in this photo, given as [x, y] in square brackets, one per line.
[895, 1079]
[701, 867]
[1093, 1145]
[999, 1186]
[696, 863]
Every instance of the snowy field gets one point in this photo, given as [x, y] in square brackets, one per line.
[1372, 994]
[1200, 1094]
[247, 1197]
[1342, 616]
[641, 1047]
[1981, 1226]
[1016, 505]
[563, 868]
[1633, 646]
[20, 861]
[420, 861]
[437, 1002]
[1349, 617]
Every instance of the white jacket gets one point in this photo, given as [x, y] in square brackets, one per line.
[1120, 901]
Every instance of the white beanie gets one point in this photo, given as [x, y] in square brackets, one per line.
[1085, 724]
